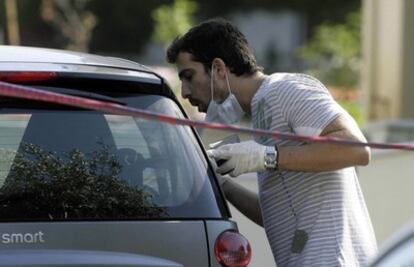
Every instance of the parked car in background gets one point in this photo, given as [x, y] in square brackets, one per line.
[398, 250]
[82, 187]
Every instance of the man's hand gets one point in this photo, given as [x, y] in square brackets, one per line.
[220, 178]
[239, 158]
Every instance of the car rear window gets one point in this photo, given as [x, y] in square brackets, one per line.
[68, 164]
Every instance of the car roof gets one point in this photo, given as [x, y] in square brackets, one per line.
[25, 58]
[47, 55]
[34, 59]
[78, 64]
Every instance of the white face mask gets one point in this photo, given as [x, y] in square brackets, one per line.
[229, 111]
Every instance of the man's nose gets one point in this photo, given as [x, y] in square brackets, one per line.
[185, 92]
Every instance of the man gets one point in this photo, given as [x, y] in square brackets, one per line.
[309, 202]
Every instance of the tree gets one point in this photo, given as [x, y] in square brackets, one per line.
[334, 56]
[12, 22]
[172, 20]
[334, 53]
[72, 19]
[42, 185]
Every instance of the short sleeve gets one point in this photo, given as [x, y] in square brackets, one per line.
[307, 105]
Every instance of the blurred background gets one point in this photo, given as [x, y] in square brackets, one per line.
[361, 49]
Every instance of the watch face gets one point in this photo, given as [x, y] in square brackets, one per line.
[270, 158]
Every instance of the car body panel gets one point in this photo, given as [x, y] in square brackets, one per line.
[397, 250]
[46, 55]
[126, 74]
[68, 258]
[170, 240]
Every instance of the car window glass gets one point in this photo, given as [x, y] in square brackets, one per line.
[12, 129]
[153, 145]
[78, 164]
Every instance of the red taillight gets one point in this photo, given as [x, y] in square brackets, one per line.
[232, 249]
[26, 76]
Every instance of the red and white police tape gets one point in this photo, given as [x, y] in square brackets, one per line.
[25, 92]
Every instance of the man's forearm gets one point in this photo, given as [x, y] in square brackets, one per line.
[319, 157]
[243, 199]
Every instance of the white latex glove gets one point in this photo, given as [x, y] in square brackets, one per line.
[240, 158]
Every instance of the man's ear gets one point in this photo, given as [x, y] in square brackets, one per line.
[220, 67]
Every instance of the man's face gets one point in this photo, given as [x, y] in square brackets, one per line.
[195, 81]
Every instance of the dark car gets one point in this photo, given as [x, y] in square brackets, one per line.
[81, 187]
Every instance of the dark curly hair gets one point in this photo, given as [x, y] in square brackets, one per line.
[216, 38]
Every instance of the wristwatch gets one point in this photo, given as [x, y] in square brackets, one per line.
[270, 158]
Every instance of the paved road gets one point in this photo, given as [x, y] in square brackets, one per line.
[262, 255]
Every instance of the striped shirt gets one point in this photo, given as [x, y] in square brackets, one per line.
[328, 206]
